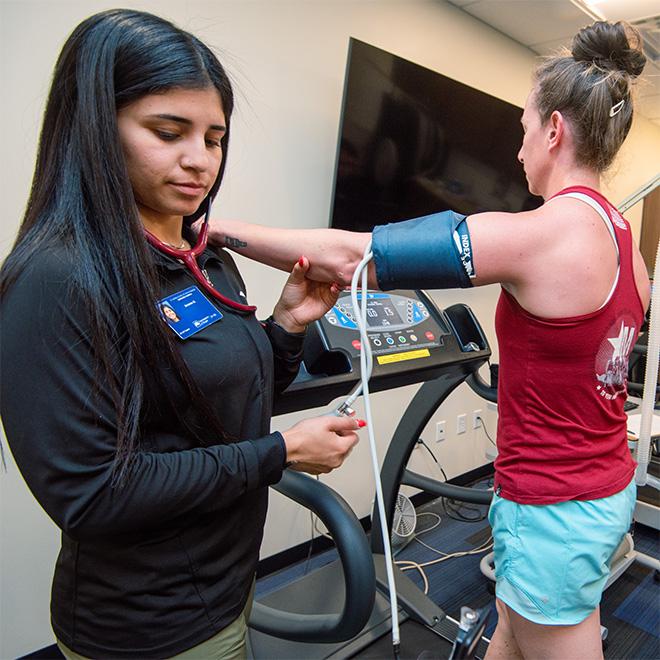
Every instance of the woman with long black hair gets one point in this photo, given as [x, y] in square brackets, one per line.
[147, 439]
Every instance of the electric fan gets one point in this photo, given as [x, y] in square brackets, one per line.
[405, 519]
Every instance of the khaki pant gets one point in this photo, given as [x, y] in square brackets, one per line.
[228, 644]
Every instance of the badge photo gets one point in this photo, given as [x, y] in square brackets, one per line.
[188, 311]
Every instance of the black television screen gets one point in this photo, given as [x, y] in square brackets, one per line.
[414, 142]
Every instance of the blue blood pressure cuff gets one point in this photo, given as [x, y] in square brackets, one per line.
[432, 252]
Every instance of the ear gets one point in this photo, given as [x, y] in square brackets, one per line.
[555, 130]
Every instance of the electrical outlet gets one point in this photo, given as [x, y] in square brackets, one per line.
[461, 424]
[476, 418]
[441, 431]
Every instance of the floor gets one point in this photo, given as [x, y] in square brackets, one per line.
[630, 608]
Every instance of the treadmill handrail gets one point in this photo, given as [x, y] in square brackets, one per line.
[356, 561]
[481, 387]
[443, 489]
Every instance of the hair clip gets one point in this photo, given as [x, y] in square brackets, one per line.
[616, 108]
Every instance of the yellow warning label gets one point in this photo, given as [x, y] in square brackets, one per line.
[400, 357]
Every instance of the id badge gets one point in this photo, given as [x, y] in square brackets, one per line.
[188, 311]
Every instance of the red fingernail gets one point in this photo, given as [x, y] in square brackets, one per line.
[361, 423]
[301, 261]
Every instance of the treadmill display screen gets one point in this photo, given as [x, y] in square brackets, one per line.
[382, 313]
[396, 323]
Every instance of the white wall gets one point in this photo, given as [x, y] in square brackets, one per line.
[287, 60]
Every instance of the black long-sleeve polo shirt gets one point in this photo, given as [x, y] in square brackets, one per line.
[166, 561]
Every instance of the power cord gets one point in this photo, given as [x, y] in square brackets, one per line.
[451, 508]
[420, 441]
[311, 544]
[484, 547]
[408, 565]
[462, 512]
[314, 528]
[413, 564]
[483, 426]
[432, 527]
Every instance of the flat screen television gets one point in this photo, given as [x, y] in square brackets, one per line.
[414, 142]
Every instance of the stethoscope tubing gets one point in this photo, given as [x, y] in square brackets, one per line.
[189, 259]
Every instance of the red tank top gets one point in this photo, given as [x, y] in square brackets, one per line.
[562, 430]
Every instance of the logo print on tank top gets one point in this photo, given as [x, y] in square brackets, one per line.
[617, 218]
[612, 358]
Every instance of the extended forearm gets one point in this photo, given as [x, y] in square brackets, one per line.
[272, 246]
[333, 254]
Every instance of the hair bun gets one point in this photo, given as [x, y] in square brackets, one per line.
[611, 46]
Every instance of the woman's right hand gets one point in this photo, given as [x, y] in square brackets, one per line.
[320, 444]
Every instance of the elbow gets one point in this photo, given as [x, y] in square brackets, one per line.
[88, 517]
[79, 525]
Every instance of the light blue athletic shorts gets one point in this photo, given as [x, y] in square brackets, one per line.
[552, 561]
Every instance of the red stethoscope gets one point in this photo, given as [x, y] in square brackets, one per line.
[189, 258]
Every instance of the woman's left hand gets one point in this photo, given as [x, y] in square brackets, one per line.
[303, 300]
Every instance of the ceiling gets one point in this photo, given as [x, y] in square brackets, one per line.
[545, 25]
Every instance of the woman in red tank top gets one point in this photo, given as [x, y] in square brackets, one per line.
[574, 292]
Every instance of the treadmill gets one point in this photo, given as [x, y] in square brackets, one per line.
[342, 610]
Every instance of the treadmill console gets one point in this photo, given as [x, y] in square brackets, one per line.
[411, 339]
[396, 324]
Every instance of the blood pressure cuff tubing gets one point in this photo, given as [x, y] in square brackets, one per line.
[431, 252]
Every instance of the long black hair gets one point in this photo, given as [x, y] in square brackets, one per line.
[81, 198]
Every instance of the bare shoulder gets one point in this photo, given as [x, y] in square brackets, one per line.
[507, 245]
[538, 255]
[518, 227]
